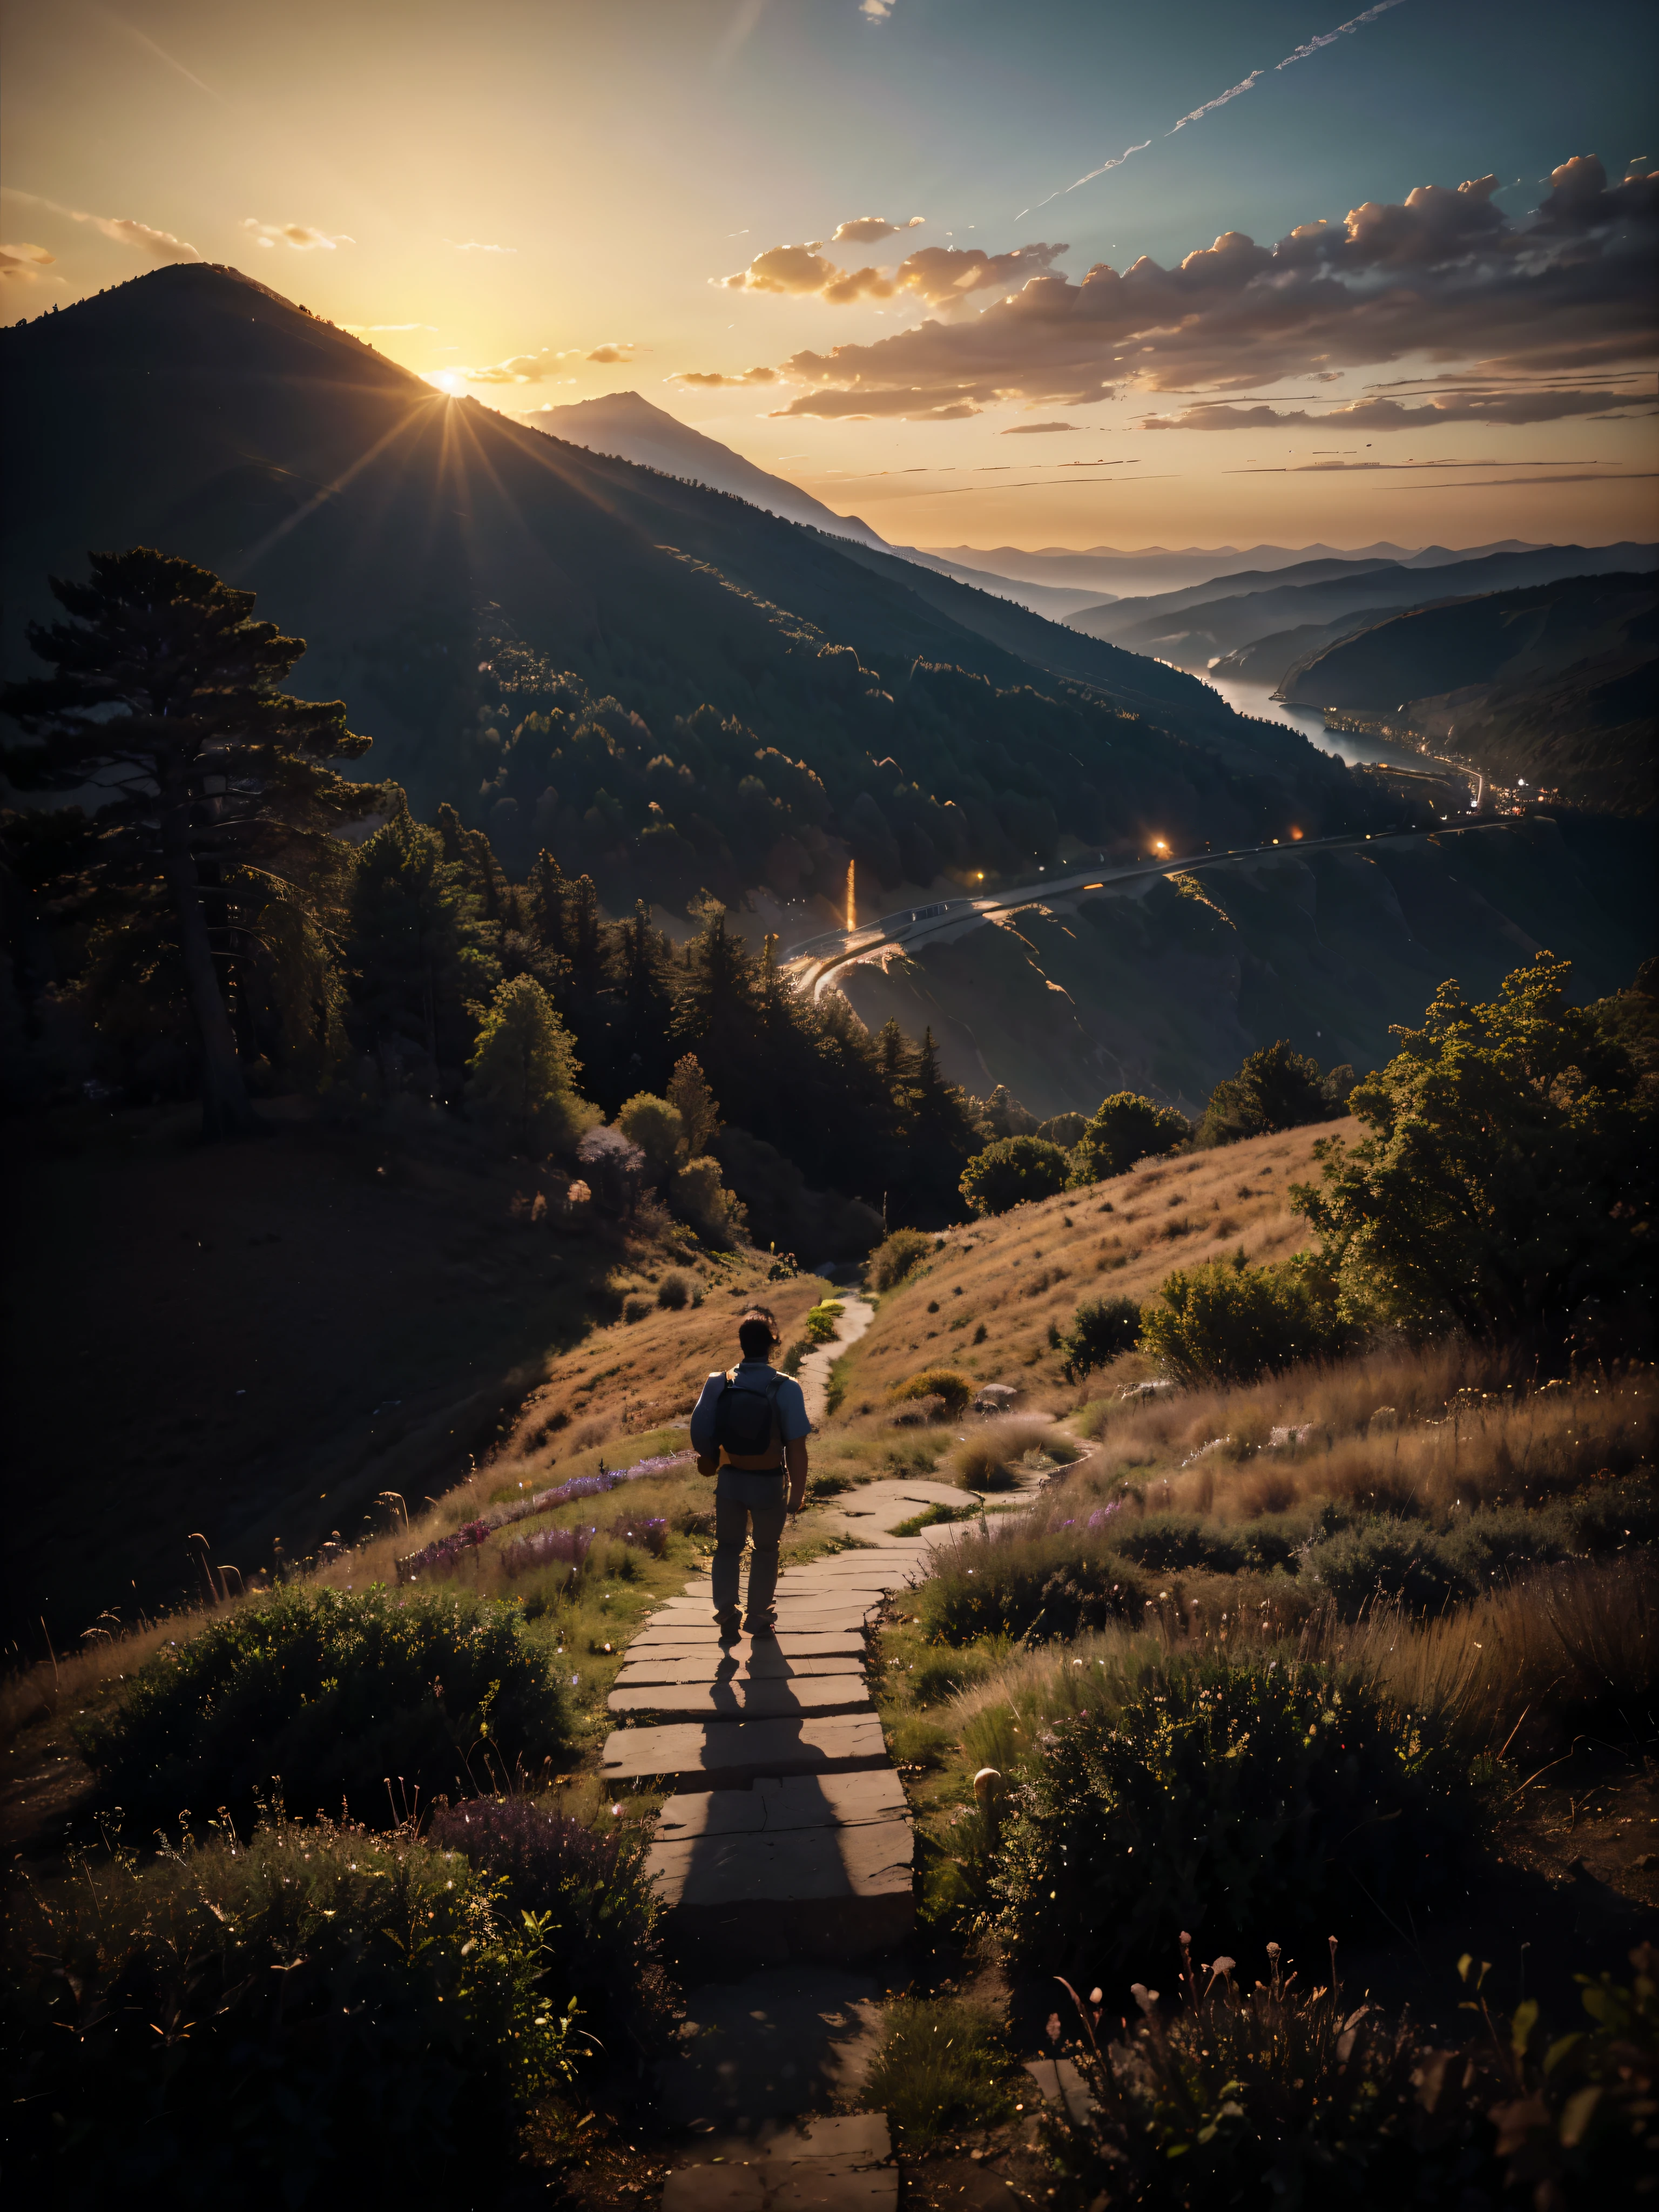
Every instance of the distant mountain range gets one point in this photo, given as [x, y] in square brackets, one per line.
[1157, 568]
[689, 689]
[1199, 630]
[1557, 683]
[624, 424]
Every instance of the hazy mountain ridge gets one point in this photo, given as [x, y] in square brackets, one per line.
[1192, 635]
[1558, 682]
[1153, 569]
[398, 530]
[629, 427]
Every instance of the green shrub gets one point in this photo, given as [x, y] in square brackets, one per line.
[1272, 1794]
[1167, 1543]
[1013, 1582]
[943, 2065]
[317, 2017]
[320, 1696]
[1390, 1559]
[1125, 1128]
[896, 1256]
[673, 1291]
[1226, 1321]
[1100, 1329]
[1275, 1089]
[822, 1319]
[599, 1912]
[1011, 1172]
[947, 1382]
[940, 1673]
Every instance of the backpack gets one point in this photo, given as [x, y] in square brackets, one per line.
[747, 1425]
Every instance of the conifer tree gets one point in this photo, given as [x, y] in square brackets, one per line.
[419, 963]
[689, 1091]
[212, 785]
[544, 904]
[524, 1064]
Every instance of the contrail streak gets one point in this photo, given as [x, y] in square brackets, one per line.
[1245, 84]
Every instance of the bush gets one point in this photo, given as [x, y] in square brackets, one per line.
[821, 1322]
[320, 1695]
[1281, 1793]
[674, 1292]
[1100, 1329]
[602, 1910]
[1170, 1543]
[943, 2065]
[1281, 2096]
[896, 1256]
[956, 1390]
[1124, 1129]
[1011, 1172]
[1388, 1558]
[1275, 1089]
[319, 2017]
[1506, 1185]
[1229, 1322]
[1009, 1581]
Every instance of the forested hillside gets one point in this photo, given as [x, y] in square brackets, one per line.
[655, 680]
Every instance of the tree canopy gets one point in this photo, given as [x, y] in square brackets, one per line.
[1507, 1183]
[1275, 1089]
[1124, 1129]
[1011, 1172]
[210, 788]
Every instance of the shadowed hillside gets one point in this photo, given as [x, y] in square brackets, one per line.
[403, 533]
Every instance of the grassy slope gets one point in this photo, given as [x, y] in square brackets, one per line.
[1019, 1272]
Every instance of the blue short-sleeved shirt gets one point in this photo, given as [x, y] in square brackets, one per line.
[791, 1404]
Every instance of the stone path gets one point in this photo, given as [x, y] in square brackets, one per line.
[784, 1859]
[857, 1314]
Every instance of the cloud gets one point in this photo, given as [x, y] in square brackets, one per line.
[943, 275]
[160, 244]
[521, 368]
[1035, 430]
[1510, 408]
[875, 11]
[478, 245]
[711, 380]
[23, 265]
[1444, 276]
[1330, 38]
[613, 353]
[865, 230]
[300, 236]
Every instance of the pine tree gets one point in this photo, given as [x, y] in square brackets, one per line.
[523, 1063]
[544, 901]
[418, 957]
[641, 969]
[689, 1091]
[213, 785]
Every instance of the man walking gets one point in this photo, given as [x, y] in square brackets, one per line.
[750, 1425]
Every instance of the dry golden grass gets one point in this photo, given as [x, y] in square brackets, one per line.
[1517, 1674]
[1015, 1274]
[1428, 1432]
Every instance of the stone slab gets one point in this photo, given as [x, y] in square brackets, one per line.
[745, 1662]
[777, 1802]
[796, 2039]
[836, 1869]
[1069, 2085]
[739, 1700]
[820, 2185]
[702, 1637]
[854, 2138]
[726, 1754]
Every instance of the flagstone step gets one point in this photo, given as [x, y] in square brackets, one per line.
[739, 1700]
[726, 1754]
[765, 1661]
[775, 1803]
[843, 2164]
[794, 2038]
[701, 1640]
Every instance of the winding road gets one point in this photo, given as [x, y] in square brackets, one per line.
[816, 961]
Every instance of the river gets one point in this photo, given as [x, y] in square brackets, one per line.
[1257, 700]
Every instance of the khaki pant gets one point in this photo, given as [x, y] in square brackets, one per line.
[742, 1502]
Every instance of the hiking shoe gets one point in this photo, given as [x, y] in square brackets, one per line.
[730, 1625]
[763, 1629]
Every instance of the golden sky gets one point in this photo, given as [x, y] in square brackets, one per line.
[1052, 275]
